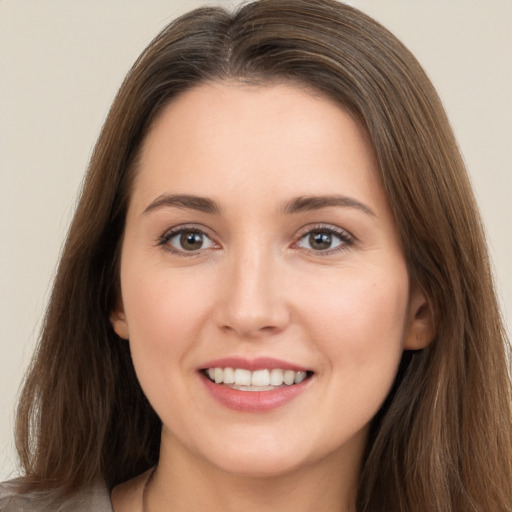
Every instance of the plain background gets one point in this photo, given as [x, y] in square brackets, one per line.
[61, 63]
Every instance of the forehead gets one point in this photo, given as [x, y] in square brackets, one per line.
[227, 137]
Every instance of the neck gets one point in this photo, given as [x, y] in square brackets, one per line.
[183, 482]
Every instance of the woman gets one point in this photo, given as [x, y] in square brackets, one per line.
[278, 246]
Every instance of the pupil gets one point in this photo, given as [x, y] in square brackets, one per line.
[320, 240]
[191, 241]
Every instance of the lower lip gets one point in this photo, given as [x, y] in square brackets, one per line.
[254, 401]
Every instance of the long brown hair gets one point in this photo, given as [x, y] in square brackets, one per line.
[443, 439]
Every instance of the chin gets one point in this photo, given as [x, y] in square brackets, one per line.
[264, 458]
[255, 466]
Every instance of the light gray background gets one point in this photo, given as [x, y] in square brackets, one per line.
[61, 63]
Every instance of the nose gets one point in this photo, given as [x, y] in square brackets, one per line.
[253, 300]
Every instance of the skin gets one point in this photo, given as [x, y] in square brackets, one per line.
[256, 287]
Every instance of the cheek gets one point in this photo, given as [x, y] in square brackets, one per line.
[163, 317]
[359, 329]
[359, 320]
[164, 325]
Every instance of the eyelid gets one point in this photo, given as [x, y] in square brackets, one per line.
[345, 236]
[170, 233]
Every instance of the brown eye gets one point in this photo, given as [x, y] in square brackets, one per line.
[319, 241]
[325, 240]
[187, 240]
[191, 241]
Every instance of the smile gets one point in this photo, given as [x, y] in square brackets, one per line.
[258, 380]
[255, 386]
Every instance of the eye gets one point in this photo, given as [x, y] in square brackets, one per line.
[325, 239]
[186, 240]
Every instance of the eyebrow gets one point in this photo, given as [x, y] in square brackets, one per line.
[201, 204]
[298, 205]
[309, 203]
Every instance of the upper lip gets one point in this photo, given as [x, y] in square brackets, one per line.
[259, 363]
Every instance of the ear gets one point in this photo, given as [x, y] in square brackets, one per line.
[118, 321]
[420, 323]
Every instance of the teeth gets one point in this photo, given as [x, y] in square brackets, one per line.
[242, 377]
[276, 377]
[299, 377]
[289, 377]
[229, 376]
[258, 379]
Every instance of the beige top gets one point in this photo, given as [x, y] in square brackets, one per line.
[92, 499]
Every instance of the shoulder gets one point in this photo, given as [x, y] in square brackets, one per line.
[95, 498]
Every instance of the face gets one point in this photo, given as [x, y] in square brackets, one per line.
[259, 246]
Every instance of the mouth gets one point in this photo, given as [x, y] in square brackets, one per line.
[257, 385]
[264, 379]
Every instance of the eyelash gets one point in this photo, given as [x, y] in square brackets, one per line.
[169, 235]
[346, 240]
